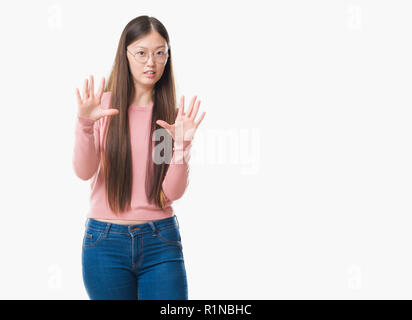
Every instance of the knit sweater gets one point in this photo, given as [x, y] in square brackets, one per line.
[86, 164]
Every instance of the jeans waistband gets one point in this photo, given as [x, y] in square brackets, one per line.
[144, 227]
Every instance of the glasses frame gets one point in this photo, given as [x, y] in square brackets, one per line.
[148, 57]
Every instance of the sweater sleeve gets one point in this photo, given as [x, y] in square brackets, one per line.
[86, 148]
[176, 179]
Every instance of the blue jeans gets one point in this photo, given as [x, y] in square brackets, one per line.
[134, 262]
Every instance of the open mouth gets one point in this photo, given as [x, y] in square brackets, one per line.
[149, 74]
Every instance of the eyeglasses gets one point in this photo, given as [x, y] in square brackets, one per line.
[142, 56]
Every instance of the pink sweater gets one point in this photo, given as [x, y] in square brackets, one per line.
[86, 163]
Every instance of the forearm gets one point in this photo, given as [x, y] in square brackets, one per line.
[177, 176]
[86, 153]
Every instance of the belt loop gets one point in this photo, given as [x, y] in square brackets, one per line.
[178, 225]
[151, 224]
[106, 231]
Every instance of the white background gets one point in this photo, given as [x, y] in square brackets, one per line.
[300, 176]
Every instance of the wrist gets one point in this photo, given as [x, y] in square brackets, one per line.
[182, 144]
[85, 120]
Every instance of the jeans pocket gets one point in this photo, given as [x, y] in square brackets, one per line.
[92, 237]
[170, 235]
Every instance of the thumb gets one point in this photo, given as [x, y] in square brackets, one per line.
[163, 124]
[110, 112]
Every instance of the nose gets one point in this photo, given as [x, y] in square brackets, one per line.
[150, 60]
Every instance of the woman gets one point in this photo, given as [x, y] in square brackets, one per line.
[132, 247]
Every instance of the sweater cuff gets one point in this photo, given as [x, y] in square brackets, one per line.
[181, 152]
[84, 124]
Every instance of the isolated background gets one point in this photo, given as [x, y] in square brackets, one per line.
[300, 176]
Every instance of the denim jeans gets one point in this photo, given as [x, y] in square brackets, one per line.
[134, 262]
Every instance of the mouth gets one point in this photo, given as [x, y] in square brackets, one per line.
[149, 74]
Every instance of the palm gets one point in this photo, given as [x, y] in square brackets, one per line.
[185, 125]
[90, 105]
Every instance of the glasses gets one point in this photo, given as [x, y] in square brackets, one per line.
[142, 56]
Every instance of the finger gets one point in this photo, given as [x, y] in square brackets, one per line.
[192, 102]
[88, 88]
[101, 89]
[79, 98]
[200, 120]
[193, 115]
[182, 105]
[91, 86]
[85, 96]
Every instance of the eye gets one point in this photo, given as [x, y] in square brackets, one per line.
[160, 53]
[141, 52]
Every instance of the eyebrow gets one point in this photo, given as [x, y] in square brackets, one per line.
[146, 48]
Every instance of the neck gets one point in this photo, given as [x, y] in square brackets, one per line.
[143, 96]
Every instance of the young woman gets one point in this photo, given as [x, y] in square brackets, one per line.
[135, 144]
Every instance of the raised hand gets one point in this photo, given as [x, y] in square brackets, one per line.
[185, 126]
[89, 106]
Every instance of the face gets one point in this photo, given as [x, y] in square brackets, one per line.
[151, 43]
